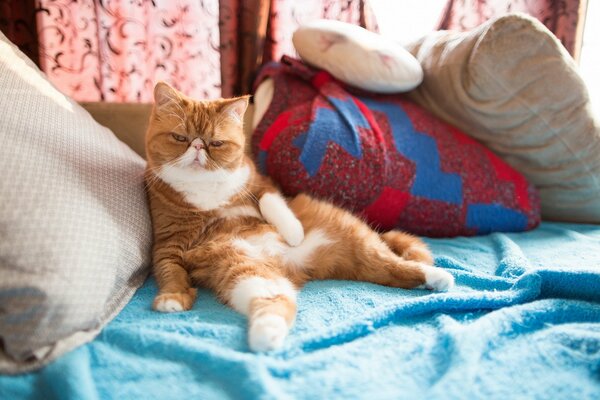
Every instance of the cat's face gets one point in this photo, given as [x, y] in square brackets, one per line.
[195, 135]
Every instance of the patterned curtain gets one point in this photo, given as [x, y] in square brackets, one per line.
[565, 18]
[254, 32]
[115, 50]
[243, 27]
[17, 22]
[286, 16]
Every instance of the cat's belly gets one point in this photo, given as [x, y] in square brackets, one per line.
[270, 244]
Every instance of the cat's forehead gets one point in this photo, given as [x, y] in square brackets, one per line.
[202, 117]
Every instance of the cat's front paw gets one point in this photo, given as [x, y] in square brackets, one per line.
[267, 333]
[437, 279]
[174, 302]
[292, 232]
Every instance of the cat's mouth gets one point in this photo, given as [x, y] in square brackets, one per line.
[196, 164]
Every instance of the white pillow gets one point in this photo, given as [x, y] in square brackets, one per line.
[262, 100]
[357, 56]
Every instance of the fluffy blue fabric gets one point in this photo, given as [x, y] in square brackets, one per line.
[523, 322]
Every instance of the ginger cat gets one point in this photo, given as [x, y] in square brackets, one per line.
[219, 224]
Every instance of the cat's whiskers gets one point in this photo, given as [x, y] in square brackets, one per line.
[244, 192]
[246, 197]
[247, 194]
[154, 171]
[180, 108]
[181, 123]
[181, 118]
[177, 113]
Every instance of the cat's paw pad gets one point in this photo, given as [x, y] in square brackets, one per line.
[267, 333]
[437, 279]
[292, 232]
[168, 305]
[174, 302]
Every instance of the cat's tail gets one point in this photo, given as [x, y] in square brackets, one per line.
[407, 246]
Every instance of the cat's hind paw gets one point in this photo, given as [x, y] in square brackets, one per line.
[174, 302]
[437, 279]
[267, 333]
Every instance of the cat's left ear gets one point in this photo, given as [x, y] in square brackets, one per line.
[236, 108]
[165, 94]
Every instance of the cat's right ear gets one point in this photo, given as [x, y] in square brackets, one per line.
[165, 95]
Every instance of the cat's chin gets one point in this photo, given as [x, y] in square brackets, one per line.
[196, 166]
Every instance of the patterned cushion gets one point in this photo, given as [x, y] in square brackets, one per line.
[385, 158]
[75, 233]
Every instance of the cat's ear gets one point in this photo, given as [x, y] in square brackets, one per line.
[165, 94]
[236, 108]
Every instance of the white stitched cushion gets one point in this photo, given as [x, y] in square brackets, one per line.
[75, 232]
[358, 57]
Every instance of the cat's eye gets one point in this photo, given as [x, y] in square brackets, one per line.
[179, 138]
[216, 143]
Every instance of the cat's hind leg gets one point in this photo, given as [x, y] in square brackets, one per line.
[379, 265]
[246, 274]
[269, 304]
[355, 252]
[375, 262]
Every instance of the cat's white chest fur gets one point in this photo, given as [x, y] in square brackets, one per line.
[206, 190]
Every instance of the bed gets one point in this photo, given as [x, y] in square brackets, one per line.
[522, 322]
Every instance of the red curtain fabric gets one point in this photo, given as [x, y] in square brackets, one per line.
[243, 26]
[254, 32]
[116, 50]
[17, 22]
[285, 17]
[565, 18]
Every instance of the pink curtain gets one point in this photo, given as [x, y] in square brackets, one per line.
[286, 16]
[565, 18]
[116, 50]
[254, 32]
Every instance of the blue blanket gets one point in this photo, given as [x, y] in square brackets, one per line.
[523, 322]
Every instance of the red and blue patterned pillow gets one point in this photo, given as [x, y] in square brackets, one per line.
[386, 159]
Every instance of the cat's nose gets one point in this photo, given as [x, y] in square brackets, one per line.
[198, 144]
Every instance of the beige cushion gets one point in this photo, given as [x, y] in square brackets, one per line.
[75, 233]
[511, 84]
[128, 121]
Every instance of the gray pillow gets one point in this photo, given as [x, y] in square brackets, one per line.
[75, 233]
[512, 85]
